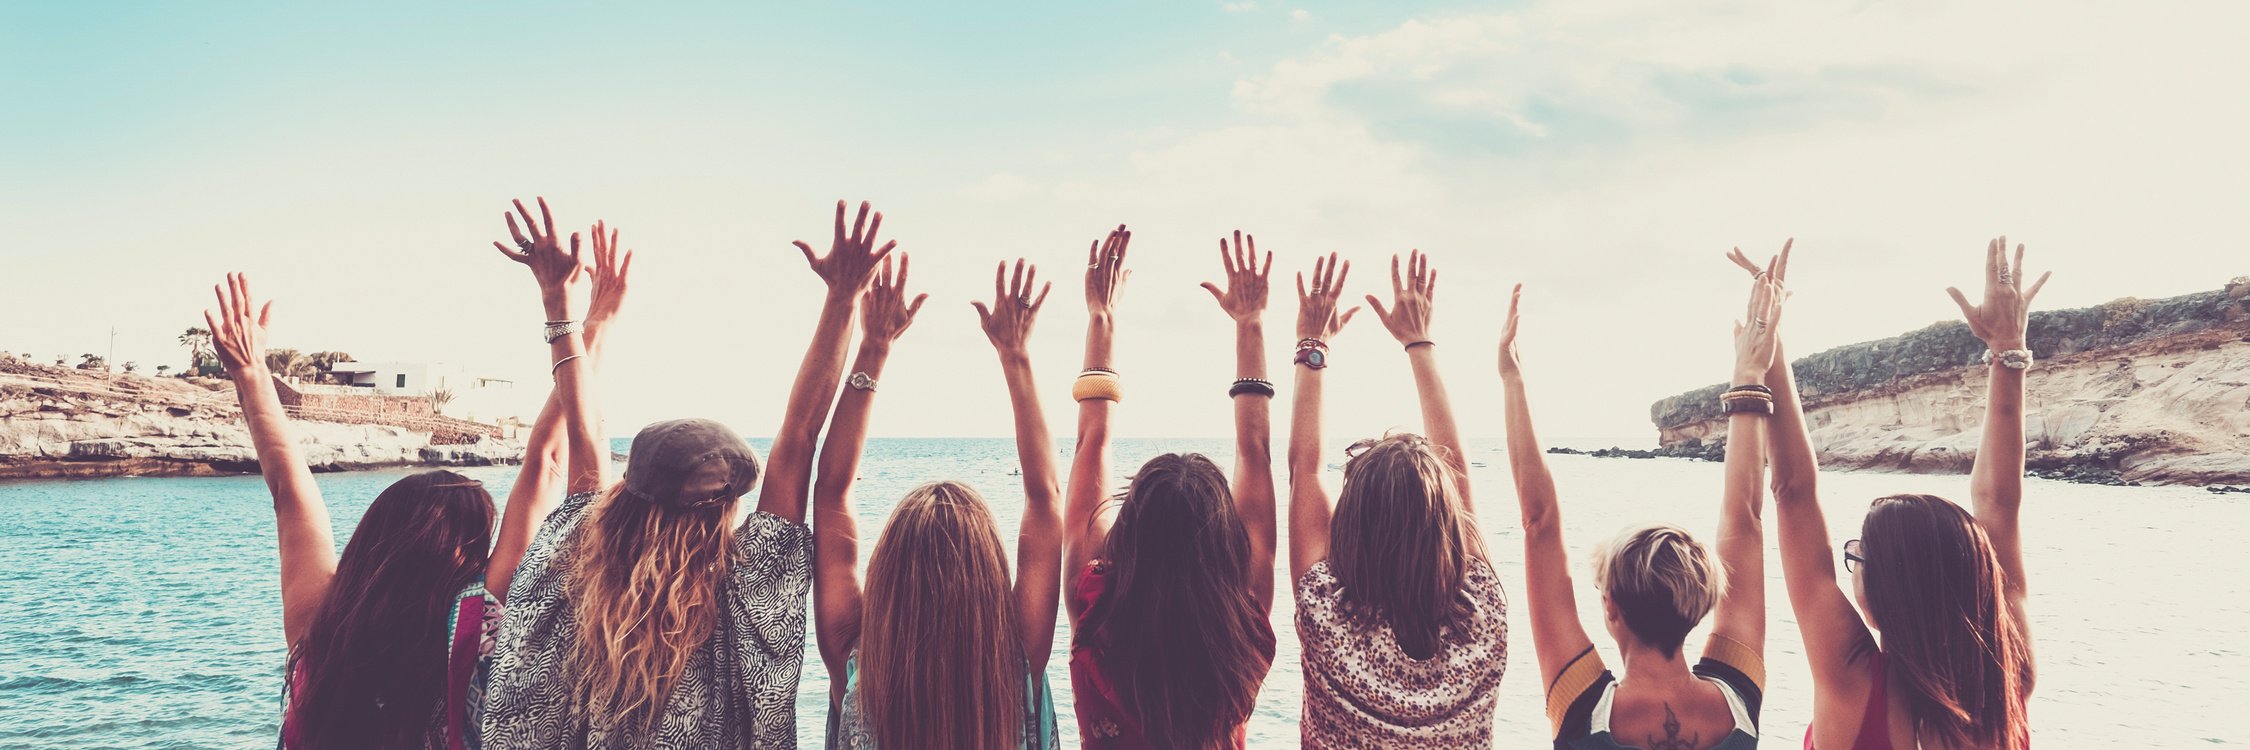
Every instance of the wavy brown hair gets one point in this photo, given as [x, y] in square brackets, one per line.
[648, 585]
[1935, 589]
[1401, 542]
[373, 660]
[941, 662]
[1181, 636]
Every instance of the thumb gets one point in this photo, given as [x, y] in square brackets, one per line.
[1215, 293]
[1966, 310]
[1347, 318]
[1377, 305]
[983, 313]
[801, 246]
[265, 313]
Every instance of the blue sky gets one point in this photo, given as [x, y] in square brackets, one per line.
[353, 161]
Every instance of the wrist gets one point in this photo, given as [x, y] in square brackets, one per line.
[874, 348]
[255, 372]
[1101, 318]
[556, 302]
[1748, 376]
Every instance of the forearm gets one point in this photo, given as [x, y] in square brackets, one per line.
[574, 389]
[1998, 472]
[790, 464]
[1437, 413]
[1741, 612]
[1253, 428]
[846, 441]
[1535, 484]
[1039, 540]
[1089, 470]
[530, 499]
[1309, 507]
[837, 591]
[280, 461]
[1035, 445]
[1796, 468]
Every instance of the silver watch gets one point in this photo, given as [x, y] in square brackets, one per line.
[2014, 359]
[861, 381]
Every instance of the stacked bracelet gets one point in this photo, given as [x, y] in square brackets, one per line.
[559, 328]
[1251, 386]
[1747, 399]
[560, 362]
[1097, 384]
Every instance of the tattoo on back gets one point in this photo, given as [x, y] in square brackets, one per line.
[1672, 739]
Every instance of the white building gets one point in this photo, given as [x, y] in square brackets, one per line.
[475, 398]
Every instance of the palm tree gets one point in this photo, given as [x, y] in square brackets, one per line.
[286, 362]
[439, 398]
[90, 362]
[323, 362]
[197, 339]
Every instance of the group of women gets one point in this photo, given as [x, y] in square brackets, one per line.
[663, 610]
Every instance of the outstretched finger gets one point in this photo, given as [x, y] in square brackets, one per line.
[807, 249]
[1398, 285]
[917, 306]
[574, 250]
[513, 231]
[1381, 313]
[872, 228]
[983, 313]
[1346, 318]
[905, 262]
[210, 323]
[1267, 271]
[1742, 260]
[1226, 256]
[1781, 269]
[1337, 288]
[2016, 271]
[1992, 271]
[1015, 283]
[1000, 283]
[885, 252]
[2034, 291]
[528, 224]
[265, 313]
[1215, 293]
[1301, 295]
[1967, 311]
[859, 224]
[1041, 301]
[549, 216]
[839, 223]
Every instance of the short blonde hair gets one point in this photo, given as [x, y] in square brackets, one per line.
[1662, 581]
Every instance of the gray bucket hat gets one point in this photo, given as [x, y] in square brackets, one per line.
[666, 453]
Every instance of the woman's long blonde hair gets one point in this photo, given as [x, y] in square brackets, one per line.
[941, 661]
[648, 584]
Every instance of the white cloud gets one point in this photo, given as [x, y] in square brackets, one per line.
[1300, 14]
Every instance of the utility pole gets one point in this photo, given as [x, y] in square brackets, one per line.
[109, 363]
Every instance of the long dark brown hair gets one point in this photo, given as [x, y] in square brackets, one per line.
[1935, 589]
[1402, 541]
[1183, 639]
[941, 662]
[374, 659]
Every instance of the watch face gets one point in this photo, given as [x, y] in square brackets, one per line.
[1316, 358]
[861, 381]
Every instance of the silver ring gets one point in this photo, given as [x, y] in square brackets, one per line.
[524, 244]
[1025, 301]
[1091, 266]
[2006, 278]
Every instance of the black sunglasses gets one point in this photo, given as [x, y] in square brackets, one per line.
[1852, 557]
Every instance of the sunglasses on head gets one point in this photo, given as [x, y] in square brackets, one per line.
[1356, 449]
[1853, 557]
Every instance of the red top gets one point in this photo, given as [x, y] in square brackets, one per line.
[1103, 722]
[1875, 724]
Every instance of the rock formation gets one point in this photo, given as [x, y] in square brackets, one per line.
[2153, 391]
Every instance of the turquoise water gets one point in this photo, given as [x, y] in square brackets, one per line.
[145, 613]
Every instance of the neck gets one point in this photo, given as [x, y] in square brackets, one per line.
[1648, 665]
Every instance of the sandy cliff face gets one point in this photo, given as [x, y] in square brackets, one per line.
[140, 426]
[2142, 390]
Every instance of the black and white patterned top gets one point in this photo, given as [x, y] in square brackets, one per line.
[739, 690]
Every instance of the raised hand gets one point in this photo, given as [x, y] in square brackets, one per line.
[1008, 321]
[1408, 318]
[539, 247]
[2006, 312]
[851, 259]
[1105, 272]
[612, 265]
[1755, 339]
[1510, 365]
[886, 311]
[239, 335]
[1316, 307]
[1244, 299]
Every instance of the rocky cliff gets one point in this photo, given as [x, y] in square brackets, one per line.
[2133, 390]
[60, 423]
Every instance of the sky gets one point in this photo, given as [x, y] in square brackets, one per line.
[354, 161]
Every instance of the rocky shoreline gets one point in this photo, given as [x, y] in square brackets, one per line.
[2126, 393]
[59, 424]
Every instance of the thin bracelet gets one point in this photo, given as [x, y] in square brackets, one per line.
[1424, 342]
[560, 362]
[1251, 386]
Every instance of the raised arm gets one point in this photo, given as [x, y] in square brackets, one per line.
[1039, 544]
[1740, 615]
[308, 545]
[1244, 300]
[548, 455]
[1408, 319]
[1555, 630]
[836, 586]
[1310, 508]
[1085, 522]
[1831, 627]
[2003, 322]
[851, 259]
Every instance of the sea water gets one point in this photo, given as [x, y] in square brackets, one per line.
[146, 613]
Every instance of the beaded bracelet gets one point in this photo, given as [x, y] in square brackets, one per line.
[1251, 386]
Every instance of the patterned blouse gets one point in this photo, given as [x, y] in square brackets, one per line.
[738, 690]
[1362, 690]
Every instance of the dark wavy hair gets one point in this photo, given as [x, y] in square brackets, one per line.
[373, 659]
[1402, 541]
[1935, 589]
[1182, 637]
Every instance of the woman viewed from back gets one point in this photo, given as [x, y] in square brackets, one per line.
[940, 650]
[1943, 658]
[1657, 582]
[658, 613]
[387, 641]
[1402, 619]
[1171, 585]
